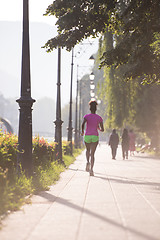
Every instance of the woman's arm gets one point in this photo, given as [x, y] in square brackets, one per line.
[101, 127]
[83, 124]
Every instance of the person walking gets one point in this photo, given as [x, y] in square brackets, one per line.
[125, 144]
[132, 139]
[93, 122]
[113, 143]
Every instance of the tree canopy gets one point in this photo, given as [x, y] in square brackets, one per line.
[138, 40]
[135, 22]
[79, 19]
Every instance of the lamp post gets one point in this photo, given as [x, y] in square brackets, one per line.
[80, 112]
[91, 76]
[91, 60]
[70, 109]
[58, 122]
[25, 101]
[76, 116]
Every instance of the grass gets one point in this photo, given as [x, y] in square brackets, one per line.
[15, 187]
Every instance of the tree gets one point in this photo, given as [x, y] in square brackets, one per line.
[148, 112]
[78, 20]
[129, 103]
[118, 94]
[135, 21]
[138, 38]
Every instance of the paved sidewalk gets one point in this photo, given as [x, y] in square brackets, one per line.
[121, 202]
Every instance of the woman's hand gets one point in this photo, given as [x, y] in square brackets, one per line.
[101, 127]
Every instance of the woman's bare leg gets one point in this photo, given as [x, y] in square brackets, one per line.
[88, 148]
[93, 149]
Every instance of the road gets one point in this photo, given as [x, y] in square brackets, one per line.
[121, 202]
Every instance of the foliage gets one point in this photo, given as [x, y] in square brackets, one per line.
[134, 22]
[13, 192]
[68, 160]
[8, 152]
[14, 185]
[78, 20]
[66, 147]
[148, 113]
[45, 176]
[137, 35]
[156, 45]
[130, 103]
[43, 152]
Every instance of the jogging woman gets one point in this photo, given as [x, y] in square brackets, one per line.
[93, 123]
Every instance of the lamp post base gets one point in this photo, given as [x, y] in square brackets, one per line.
[25, 135]
[58, 140]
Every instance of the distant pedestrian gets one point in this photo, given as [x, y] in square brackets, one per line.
[93, 123]
[113, 142]
[125, 143]
[132, 138]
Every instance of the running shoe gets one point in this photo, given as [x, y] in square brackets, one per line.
[91, 173]
[87, 167]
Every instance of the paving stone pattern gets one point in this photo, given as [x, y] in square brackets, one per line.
[121, 202]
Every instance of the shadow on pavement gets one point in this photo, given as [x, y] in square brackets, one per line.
[123, 180]
[52, 198]
[128, 181]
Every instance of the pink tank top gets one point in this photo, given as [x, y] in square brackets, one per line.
[93, 121]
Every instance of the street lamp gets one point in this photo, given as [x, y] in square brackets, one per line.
[91, 60]
[80, 113]
[25, 101]
[91, 76]
[76, 116]
[92, 86]
[92, 94]
[70, 109]
[58, 122]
